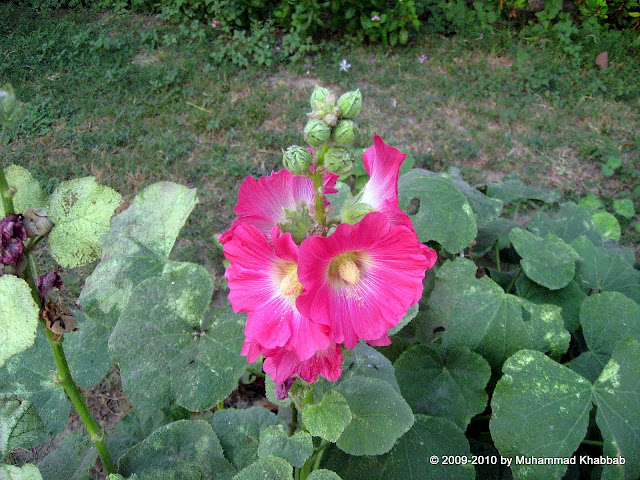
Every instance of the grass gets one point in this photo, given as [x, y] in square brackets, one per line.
[127, 99]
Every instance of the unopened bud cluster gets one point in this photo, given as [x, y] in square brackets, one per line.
[329, 130]
[15, 229]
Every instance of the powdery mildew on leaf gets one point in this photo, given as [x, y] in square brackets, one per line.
[81, 210]
[18, 317]
[28, 193]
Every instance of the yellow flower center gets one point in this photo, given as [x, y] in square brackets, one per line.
[347, 268]
[290, 286]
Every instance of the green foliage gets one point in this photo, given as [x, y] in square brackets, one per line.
[20, 425]
[18, 317]
[26, 472]
[73, 458]
[329, 418]
[28, 193]
[268, 468]
[295, 449]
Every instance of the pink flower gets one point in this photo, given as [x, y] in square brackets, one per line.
[422, 58]
[372, 60]
[282, 364]
[380, 193]
[361, 280]
[215, 23]
[263, 202]
[375, 19]
[263, 282]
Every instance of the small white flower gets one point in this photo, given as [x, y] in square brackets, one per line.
[344, 65]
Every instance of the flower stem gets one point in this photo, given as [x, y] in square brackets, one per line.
[7, 201]
[66, 381]
[294, 419]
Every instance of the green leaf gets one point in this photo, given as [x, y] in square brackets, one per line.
[152, 222]
[485, 208]
[410, 315]
[477, 314]
[608, 225]
[26, 472]
[607, 319]
[338, 200]
[624, 208]
[18, 317]
[239, 432]
[570, 222]
[81, 210]
[275, 440]
[87, 351]
[136, 248]
[539, 409]
[20, 425]
[117, 476]
[568, 299]
[71, 460]
[380, 416]
[31, 376]
[188, 450]
[270, 468]
[605, 269]
[512, 189]
[329, 418]
[137, 425]
[495, 231]
[323, 474]
[589, 365]
[617, 395]
[409, 458]
[365, 361]
[442, 383]
[443, 213]
[200, 364]
[547, 261]
[591, 203]
[28, 193]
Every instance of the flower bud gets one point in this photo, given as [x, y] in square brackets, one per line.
[350, 104]
[344, 133]
[338, 160]
[318, 96]
[317, 133]
[36, 222]
[297, 160]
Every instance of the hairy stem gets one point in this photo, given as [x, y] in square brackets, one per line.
[5, 193]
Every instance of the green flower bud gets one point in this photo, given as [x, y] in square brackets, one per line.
[338, 160]
[350, 104]
[36, 222]
[318, 96]
[344, 133]
[317, 133]
[297, 160]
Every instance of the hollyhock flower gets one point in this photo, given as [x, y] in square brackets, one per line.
[281, 364]
[264, 202]
[12, 236]
[263, 283]
[362, 279]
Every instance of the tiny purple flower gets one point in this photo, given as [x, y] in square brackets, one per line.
[375, 19]
[422, 58]
[372, 60]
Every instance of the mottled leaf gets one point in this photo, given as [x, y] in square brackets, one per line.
[28, 193]
[166, 350]
[624, 207]
[539, 409]
[295, 449]
[608, 225]
[485, 208]
[87, 351]
[239, 432]
[444, 383]
[20, 425]
[71, 460]
[569, 222]
[81, 210]
[18, 317]
[410, 457]
[512, 189]
[329, 418]
[617, 395]
[269, 468]
[26, 472]
[380, 416]
[185, 450]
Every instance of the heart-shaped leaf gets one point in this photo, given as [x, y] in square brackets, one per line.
[534, 385]
[485, 208]
[269, 468]
[81, 210]
[569, 222]
[329, 418]
[20, 425]
[547, 261]
[444, 383]
[295, 449]
[512, 189]
[28, 193]
[443, 213]
[200, 363]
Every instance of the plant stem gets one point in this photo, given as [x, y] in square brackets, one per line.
[513, 281]
[498, 256]
[318, 190]
[7, 201]
[597, 443]
[66, 381]
[294, 419]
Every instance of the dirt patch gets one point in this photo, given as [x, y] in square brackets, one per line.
[144, 59]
